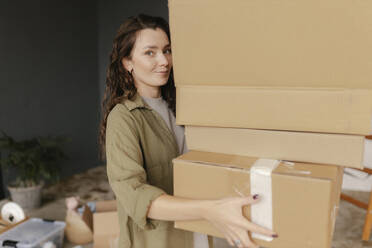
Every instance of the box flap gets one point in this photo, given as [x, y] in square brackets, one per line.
[106, 206]
[219, 159]
[245, 163]
[87, 217]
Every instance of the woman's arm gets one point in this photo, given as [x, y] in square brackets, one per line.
[125, 171]
[144, 202]
[225, 214]
[172, 208]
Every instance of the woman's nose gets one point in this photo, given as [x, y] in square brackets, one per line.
[163, 59]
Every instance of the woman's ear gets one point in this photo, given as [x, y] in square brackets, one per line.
[127, 63]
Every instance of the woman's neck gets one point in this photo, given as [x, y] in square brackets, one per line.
[148, 91]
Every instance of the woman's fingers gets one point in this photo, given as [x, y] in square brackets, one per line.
[247, 242]
[229, 236]
[241, 238]
[230, 240]
[251, 226]
[248, 200]
[227, 216]
[234, 238]
[258, 229]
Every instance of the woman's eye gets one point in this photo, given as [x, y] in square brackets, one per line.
[149, 53]
[168, 51]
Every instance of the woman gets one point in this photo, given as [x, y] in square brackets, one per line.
[140, 138]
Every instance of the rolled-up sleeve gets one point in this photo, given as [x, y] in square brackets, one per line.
[125, 170]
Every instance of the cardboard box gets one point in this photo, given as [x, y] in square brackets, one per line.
[304, 43]
[304, 204]
[104, 223]
[342, 111]
[336, 149]
[106, 230]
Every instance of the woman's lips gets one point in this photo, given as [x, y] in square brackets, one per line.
[163, 73]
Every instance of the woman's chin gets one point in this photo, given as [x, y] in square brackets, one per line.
[162, 82]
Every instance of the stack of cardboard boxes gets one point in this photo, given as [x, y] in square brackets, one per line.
[281, 80]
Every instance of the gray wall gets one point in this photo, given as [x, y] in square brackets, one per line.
[49, 75]
[110, 15]
[53, 58]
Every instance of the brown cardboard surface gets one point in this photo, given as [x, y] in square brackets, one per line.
[336, 199]
[337, 149]
[105, 224]
[304, 43]
[87, 217]
[303, 204]
[106, 230]
[342, 111]
[106, 206]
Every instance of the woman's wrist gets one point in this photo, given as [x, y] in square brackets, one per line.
[205, 208]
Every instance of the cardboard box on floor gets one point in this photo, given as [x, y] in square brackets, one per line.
[305, 197]
[304, 43]
[344, 111]
[336, 149]
[104, 223]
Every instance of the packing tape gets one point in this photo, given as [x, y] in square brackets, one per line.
[12, 213]
[290, 166]
[261, 184]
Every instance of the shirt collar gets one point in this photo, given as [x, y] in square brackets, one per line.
[136, 102]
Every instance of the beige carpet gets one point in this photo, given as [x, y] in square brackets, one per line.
[92, 185]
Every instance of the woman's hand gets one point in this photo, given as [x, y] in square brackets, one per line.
[227, 216]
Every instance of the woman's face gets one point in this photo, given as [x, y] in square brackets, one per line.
[151, 60]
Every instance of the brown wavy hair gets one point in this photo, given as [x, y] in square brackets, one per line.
[119, 82]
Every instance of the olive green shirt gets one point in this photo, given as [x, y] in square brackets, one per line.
[139, 150]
